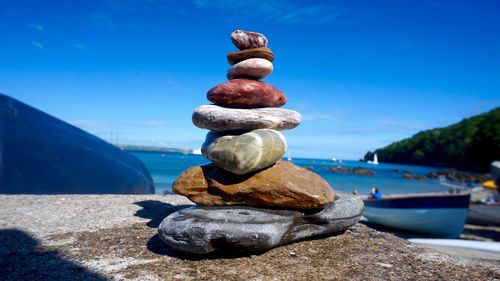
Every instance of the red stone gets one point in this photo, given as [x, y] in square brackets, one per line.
[248, 40]
[245, 93]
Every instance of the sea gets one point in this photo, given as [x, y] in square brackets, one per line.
[166, 167]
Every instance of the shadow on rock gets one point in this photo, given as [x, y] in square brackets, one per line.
[157, 246]
[156, 211]
[23, 258]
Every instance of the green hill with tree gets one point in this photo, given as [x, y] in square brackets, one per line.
[469, 145]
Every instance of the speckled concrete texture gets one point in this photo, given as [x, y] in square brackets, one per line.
[52, 214]
[114, 237]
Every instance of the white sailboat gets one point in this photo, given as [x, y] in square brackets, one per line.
[375, 160]
[337, 160]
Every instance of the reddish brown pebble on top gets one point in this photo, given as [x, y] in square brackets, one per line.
[245, 93]
[248, 40]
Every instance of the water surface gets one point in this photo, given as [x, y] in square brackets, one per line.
[166, 167]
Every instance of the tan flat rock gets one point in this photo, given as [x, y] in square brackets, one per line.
[283, 185]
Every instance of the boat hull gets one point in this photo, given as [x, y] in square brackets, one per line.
[442, 222]
[484, 214]
[435, 215]
[40, 154]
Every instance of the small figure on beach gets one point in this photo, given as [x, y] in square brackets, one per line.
[490, 199]
[375, 193]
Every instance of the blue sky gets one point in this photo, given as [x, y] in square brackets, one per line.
[362, 73]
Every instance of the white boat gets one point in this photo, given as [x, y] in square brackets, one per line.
[483, 214]
[436, 214]
[196, 152]
[375, 160]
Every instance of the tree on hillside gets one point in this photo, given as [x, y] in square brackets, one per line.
[471, 144]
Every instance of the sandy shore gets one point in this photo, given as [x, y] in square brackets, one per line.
[102, 237]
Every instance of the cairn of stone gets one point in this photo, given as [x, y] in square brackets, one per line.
[248, 200]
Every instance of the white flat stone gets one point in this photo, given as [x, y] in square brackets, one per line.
[217, 118]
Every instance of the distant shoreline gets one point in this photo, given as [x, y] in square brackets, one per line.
[472, 176]
[155, 149]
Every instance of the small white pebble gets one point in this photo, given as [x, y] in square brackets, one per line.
[385, 265]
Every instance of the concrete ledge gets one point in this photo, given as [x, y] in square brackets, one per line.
[101, 237]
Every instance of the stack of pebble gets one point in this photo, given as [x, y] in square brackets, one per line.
[248, 199]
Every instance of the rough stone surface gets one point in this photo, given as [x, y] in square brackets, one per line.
[217, 118]
[47, 215]
[247, 40]
[245, 93]
[203, 230]
[114, 237]
[254, 68]
[245, 153]
[264, 53]
[283, 185]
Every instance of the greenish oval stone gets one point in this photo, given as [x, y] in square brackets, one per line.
[245, 153]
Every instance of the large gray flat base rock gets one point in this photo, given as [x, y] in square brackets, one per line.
[239, 229]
